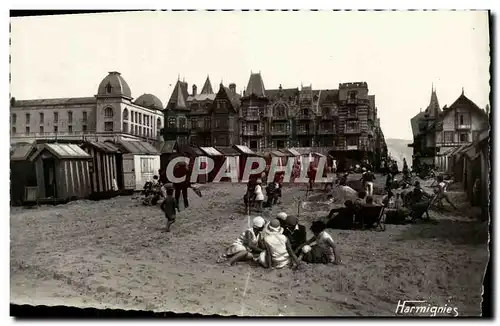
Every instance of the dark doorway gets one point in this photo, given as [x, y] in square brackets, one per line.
[119, 172]
[49, 175]
[253, 144]
[280, 143]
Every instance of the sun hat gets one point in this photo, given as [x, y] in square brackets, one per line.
[281, 216]
[258, 222]
[274, 227]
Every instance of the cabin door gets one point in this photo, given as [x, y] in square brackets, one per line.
[128, 172]
[49, 175]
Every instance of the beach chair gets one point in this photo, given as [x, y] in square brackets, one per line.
[371, 217]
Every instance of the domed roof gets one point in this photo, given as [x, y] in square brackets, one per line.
[149, 101]
[114, 85]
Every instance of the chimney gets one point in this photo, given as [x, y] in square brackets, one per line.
[195, 89]
[232, 88]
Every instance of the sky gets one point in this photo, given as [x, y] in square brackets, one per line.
[399, 54]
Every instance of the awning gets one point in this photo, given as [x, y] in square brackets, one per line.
[210, 151]
[277, 154]
[317, 154]
[290, 151]
[62, 151]
[167, 147]
[244, 150]
[106, 147]
[193, 151]
[139, 147]
[228, 151]
[21, 152]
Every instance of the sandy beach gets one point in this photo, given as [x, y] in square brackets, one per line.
[115, 254]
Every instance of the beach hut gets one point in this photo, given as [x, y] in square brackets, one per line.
[230, 153]
[483, 148]
[168, 151]
[246, 153]
[22, 173]
[218, 159]
[62, 172]
[106, 168]
[141, 161]
[192, 153]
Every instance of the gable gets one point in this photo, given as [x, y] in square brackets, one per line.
[222, 103]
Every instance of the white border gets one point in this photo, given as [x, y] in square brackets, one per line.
[187, 4]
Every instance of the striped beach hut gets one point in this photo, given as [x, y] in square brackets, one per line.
[62, 172]
[106, 167]
[141, 161]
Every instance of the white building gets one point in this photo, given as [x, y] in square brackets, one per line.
[109, 115]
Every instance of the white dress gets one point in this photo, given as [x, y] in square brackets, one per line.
[259, 195]
[277, 246]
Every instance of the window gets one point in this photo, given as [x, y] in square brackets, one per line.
[464, 137]
[147, 165]
[475, 135]
[448, 137]
[42, 117]
[194, 123]
[146, 120]
[253, 112]
[41, 129]
[352, 112]
[461, 119]
[255, 128]
[56, 117]
[125, 127]
[108, 88]
[171, 122]
[70, 117]
[305, 112]
[56, 129]
[136, 117]
[13, 130]
[108, 112]
[140, 118]
[352, 141]
[207, 123]
[132, 116]
[352, 95]
[14, 118]
[182, 123]
[84, 128]
[158, 124]
[326, 112]
[125, 114]
[352, 125]
[84, 116]
[27, 130]
[70, 129]
[28, 118]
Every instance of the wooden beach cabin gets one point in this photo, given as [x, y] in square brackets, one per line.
[141, 161]
[62, 172]
[106, 168]
[22, 174]
[218, 159]
[233, 154]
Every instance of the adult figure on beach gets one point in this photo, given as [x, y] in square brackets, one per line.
[341, 218]
[295, 232]
[182, 170]
[278, 251]
[442, 193]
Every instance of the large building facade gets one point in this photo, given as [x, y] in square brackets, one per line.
[111, 114]
[437, 130]
[344, 120]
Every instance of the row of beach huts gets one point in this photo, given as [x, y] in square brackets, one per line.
[57, 172]
[470, 165]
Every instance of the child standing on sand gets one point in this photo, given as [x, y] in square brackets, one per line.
[169, 207]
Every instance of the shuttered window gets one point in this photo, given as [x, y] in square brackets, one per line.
[147, 165]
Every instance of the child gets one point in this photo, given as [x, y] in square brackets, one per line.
[246, 244]
[169, 207]
[259, 195]
[441, 192]
[323, 251]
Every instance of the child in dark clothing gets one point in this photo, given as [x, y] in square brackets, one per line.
[169, 207]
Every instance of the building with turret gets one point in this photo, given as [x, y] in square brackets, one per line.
[111, 114]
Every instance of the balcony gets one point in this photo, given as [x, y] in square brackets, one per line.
[463, 126]
[276, 132]
[352, 101]
[279, 118]
[352, 116]
[253, 132]
[325, 131]
[352, 147]
[305, 116]
[305, 132]
[351, 131]
[252, 117]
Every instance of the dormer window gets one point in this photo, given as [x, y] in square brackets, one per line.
[108, 88]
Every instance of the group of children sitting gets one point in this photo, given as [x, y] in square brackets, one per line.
[282, 242]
